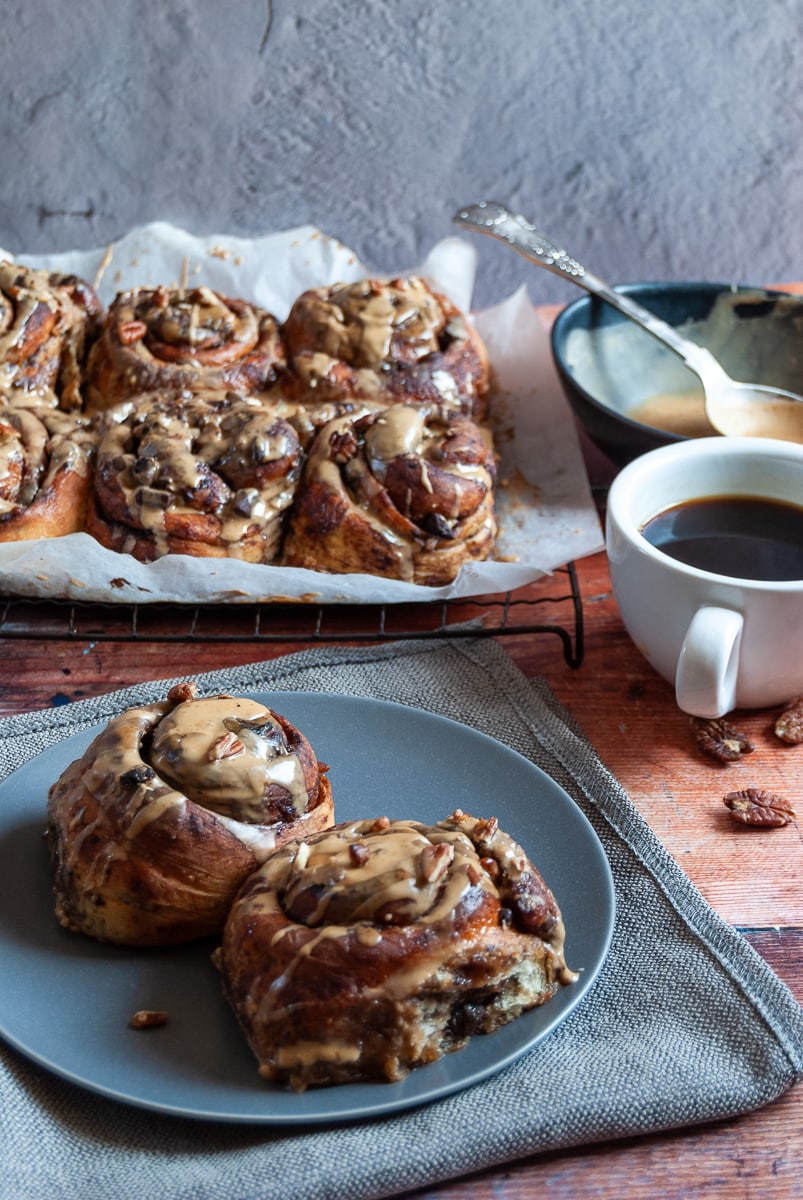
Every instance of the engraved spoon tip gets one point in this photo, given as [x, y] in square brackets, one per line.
[483, 215]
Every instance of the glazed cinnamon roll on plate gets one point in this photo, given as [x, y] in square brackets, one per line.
[384, 342]
[175, 338]
[399, 493]
[384, 758]
[379, 946]
[153, 829]
[210, 476]
[46, 462]
[47, 323]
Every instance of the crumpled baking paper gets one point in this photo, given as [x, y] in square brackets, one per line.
[546, 514]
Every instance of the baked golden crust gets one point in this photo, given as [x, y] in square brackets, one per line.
[174, 338]
[386, 342]
[168, 811]
[378, 946]
[399, 493]
[211, 475]
[46, 461]
[47, 321]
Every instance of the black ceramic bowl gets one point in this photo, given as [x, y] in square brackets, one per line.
[611, 369]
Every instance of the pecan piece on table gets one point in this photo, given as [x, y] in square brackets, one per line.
[758, 807]
[789, 725]
[720, 740]
[148, 1018]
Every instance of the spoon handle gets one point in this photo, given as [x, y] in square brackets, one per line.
[497, 221]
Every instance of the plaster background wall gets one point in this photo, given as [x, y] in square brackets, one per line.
[656, 138]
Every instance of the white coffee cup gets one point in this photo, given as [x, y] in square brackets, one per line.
[724, 642]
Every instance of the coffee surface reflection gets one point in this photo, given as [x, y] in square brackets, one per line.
[743, 537]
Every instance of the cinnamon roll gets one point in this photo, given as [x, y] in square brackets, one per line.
[208, 476]
[170, 808]
[173, 338]
[376, 946]
[46, 460]
[47, 321]
[395, 341]
[399, 493]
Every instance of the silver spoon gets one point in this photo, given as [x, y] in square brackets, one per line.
[732, 407]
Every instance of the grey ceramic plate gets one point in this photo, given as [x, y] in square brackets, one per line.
[65, 1000]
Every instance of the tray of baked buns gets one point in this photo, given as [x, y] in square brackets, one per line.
[223, 420]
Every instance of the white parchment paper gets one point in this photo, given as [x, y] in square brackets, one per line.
[545, 511]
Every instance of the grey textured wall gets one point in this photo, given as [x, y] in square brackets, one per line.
[656, 138]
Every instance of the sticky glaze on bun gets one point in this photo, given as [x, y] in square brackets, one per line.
[209, 476]
[47, 321]
[378, 946]
[177, 338]
[172, 806]
[386, 341]
[399, 493]
[46, 461]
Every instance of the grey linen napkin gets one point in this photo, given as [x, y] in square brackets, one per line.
[685, 1023]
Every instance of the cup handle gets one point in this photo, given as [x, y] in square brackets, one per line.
[705, 679]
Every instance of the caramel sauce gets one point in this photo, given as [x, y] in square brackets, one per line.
[681, 413]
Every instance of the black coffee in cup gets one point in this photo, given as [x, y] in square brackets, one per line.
[743, 537]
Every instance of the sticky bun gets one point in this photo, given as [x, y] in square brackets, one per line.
[46, 461]
[394, 341]
[47, 322]
[209, 476]
[175, 338]
[378, 946]
[399, 493]
[156, 826]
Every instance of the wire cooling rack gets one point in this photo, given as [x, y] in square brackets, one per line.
[552, 606]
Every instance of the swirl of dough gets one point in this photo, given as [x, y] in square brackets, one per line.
[170, 808]
[174, 338]
[46, 459]
[208, 476]
[399, 493]
[47, 321]
[394, 341]
[379, 945]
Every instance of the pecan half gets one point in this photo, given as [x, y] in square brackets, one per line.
[491, 867]
[720, 740]
[228, 745]
[131, 331]
[760, 808]
[343, 445]
[358, 854]
[181, 692]
[435, 861]
[789, 726]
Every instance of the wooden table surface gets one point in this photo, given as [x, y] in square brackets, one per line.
[751, 877]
